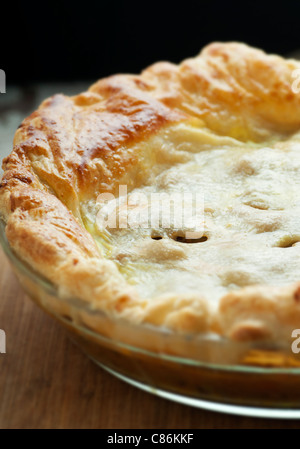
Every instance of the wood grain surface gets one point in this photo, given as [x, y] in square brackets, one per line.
[46, 382]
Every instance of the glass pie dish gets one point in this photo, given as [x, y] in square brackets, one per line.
[253, 379]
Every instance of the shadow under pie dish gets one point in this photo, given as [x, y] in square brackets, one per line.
[207, 321]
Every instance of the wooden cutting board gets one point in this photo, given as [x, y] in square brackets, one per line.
[46, 382]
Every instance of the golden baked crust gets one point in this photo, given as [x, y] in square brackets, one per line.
[230, 112]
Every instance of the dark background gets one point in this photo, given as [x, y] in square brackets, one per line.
[63, 41]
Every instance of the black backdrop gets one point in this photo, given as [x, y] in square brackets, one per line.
[62, 41]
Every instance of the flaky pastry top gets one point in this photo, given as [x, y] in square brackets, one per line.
[227, 123]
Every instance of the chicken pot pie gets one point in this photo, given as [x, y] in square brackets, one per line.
[225, 124]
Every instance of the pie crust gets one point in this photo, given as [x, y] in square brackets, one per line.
[225, 123]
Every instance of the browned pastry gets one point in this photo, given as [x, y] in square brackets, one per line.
[226, 124]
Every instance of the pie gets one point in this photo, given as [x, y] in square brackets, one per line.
[226, 125]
